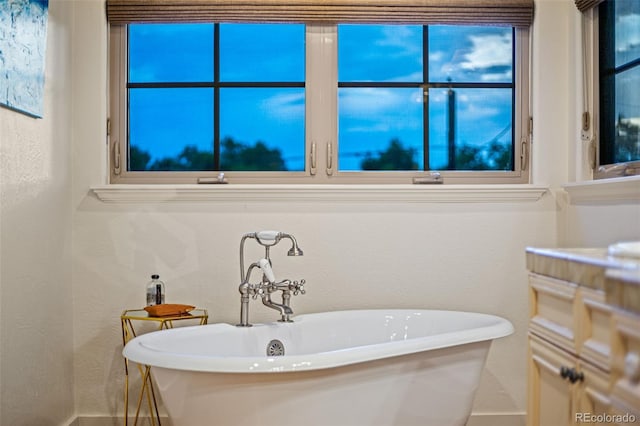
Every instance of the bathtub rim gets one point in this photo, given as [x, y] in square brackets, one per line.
[137, 351]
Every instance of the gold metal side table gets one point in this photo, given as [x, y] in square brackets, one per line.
[139, 317]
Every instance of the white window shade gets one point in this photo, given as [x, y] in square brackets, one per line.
[517, 13]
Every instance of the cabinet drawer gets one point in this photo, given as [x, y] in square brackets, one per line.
[625, 394]
[554, 313]
[596, 328]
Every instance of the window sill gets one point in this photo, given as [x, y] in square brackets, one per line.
[320, 193]
[623, 189]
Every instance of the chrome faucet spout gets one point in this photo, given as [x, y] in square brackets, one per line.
[284, 310]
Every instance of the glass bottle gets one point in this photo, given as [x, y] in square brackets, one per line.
[155, 291]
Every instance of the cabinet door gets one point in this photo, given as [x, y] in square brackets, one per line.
[593, 395]
[551, 396]
[625, 393]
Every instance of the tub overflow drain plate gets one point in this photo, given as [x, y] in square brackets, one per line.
[275, 348]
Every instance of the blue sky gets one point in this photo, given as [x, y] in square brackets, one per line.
[369, 118]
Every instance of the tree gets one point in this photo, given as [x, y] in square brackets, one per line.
[190, 159]
[259, 157]
[235, 156]
[496, 156]
[138, 159]
[627, 143]
[395, 157]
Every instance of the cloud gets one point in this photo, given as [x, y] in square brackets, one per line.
[375, 127]
[285, 106]
[414, 76]
[436, 56]
[371, 101]
[491, 55]
[628, 32]
[401, 39]
[380, 109]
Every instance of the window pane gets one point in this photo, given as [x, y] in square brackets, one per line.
[171, 129]
[470, 54]
[627, 107]
[481, 125]
[380, 129]
[381, 53]
[262, 52]
[262, 129]
[619, 42]
[627, 31]
[170, 53]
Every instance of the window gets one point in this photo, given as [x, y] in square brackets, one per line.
[200, 105]
[318, 103]
[619, 88]
[425, 98]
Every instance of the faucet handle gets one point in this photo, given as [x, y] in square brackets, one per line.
[299, 287]
[257, 291]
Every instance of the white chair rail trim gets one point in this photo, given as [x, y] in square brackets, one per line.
[320, 193]
[623, 189]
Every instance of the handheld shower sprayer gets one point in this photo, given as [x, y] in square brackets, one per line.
[271, 238]
[267, 239]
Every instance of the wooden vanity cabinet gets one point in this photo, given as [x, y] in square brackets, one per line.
[584, 350]
[559, 386]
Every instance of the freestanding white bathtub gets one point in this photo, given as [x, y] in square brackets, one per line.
[349, 368]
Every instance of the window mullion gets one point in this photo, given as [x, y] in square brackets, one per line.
[117, 154]
[522, 120]
[321, 99]
[425, 97]
[216, 97]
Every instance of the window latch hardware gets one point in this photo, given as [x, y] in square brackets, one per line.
[329, 159]
[586, 121]
[431, 179]
[220, 179]
[524, 154]
[116, 158]
[312, 159]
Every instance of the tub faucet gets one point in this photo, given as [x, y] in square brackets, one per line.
[267, 284]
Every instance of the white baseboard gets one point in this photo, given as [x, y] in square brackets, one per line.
[497, 419]
[479, 419]
[113, 421]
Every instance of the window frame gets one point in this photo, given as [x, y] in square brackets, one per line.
[591, 126]
[321, 88]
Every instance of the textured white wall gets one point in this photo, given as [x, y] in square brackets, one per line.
[443, 256]
[36, 302]
[467, 256]
[598, 224]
